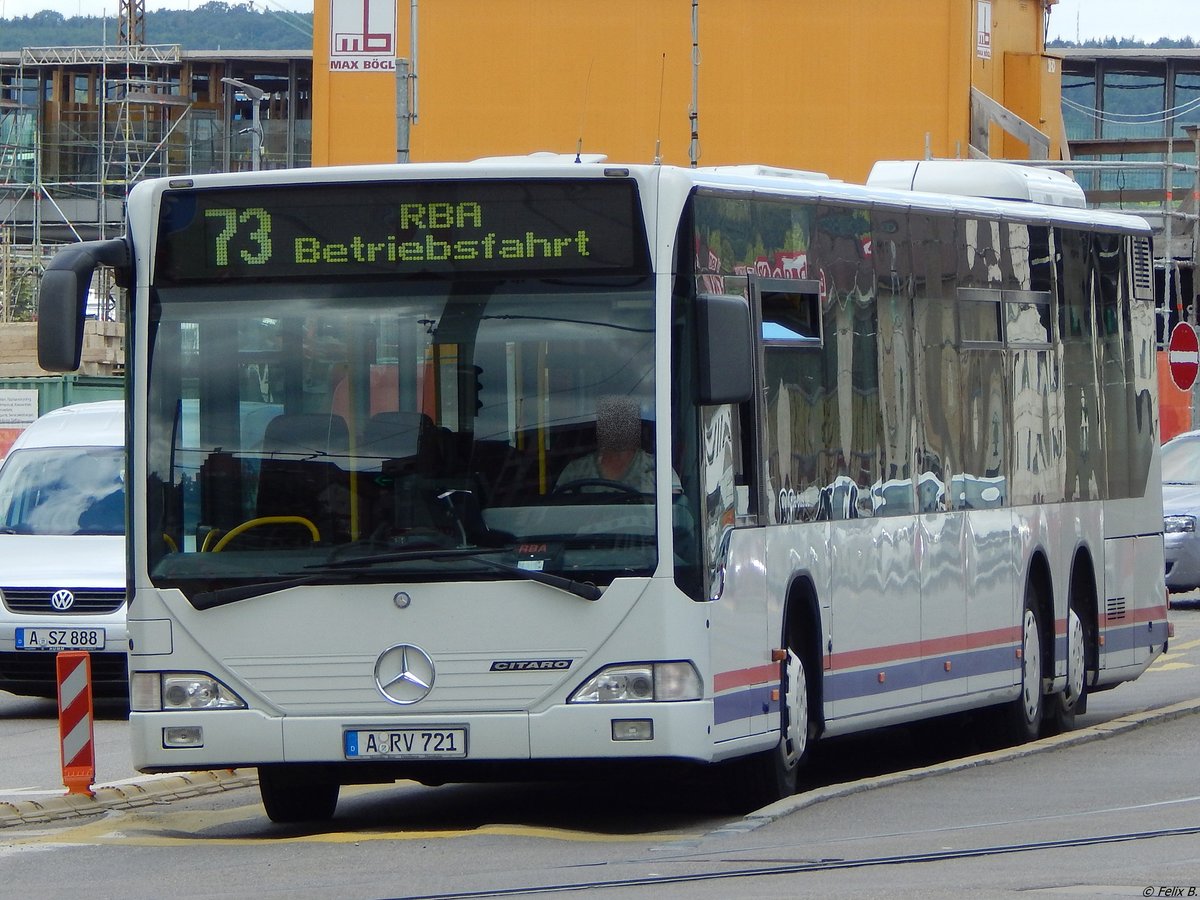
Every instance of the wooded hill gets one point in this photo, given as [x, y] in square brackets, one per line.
[216, 25]
[210, 26]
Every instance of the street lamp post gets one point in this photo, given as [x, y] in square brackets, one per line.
[255, 94]
[1193, 132]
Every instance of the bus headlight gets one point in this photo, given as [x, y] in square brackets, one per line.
[1179, 524]
[641, 683]
[159, 691]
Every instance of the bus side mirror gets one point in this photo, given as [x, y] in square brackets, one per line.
[62, 299]
[726, 350]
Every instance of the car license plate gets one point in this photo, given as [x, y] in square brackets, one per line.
[50, 638]
[406, 743]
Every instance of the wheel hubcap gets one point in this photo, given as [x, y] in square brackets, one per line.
[1031, 675]
[795, 738]
[1074, 688]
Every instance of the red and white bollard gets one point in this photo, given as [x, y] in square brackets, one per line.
[76, 739]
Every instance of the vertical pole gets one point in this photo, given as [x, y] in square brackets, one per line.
[76, 739]
[414, 109]
[256, 135]
[694, 113]
[403, 117]
[1195, 132]
[1172, 283]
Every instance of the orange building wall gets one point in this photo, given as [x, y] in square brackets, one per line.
[828, 86]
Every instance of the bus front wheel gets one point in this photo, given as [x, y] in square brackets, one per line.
[292, 794]
[773, 774]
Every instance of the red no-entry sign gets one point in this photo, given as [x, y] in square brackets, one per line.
[1184, 356]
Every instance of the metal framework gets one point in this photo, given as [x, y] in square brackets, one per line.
[80, 125]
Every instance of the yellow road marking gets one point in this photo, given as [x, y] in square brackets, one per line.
[164, 827]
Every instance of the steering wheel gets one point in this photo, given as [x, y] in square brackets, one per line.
[577, 487]
[265, 520]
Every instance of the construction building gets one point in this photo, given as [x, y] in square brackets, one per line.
[80, 125]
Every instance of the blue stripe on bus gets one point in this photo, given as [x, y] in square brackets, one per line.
[853, 685]
[1138, 634]
[744, 704]
[919, 672]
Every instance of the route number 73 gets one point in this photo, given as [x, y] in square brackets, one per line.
[259, 222]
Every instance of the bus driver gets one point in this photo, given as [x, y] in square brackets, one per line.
[619, 457]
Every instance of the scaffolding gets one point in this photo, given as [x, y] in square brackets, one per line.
[78, 127]
[19, 264]
[1151, 189]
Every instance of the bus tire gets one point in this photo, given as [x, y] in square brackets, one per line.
[290, 795]
[773, 774]
[1065, 705]
[1022, 717]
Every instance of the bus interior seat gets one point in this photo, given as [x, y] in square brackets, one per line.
[397, 435]
[300, 474]
[308, 435]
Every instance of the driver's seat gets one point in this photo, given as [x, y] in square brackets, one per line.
[302, 473]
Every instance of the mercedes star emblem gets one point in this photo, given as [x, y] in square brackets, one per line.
[404, 674]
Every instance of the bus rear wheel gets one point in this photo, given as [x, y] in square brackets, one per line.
[292, 794]
[1022, 717]
[1063, 706]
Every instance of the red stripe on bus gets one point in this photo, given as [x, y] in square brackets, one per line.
[1137, 614]
[956, 643]
[739, 678]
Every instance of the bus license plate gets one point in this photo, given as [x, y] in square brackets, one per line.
[407, 743]
[60, 638]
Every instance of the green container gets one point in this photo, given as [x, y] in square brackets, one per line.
[63, 390]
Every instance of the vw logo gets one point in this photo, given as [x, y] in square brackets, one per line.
[62, 600]
[404, 674]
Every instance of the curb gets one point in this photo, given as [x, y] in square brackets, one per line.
[1100, 731]
[128, 795]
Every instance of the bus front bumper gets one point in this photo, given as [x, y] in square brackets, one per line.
[234, 738]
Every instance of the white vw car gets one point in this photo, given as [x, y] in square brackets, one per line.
[62, 549]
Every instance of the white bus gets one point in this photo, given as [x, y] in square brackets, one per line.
[840, 457]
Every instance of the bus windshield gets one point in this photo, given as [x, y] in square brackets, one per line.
[294, 426]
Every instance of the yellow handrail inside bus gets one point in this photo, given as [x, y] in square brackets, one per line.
[267, 520]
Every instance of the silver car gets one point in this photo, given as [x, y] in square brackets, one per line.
[1181, 510]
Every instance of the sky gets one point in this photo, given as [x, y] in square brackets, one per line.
[1145, 20]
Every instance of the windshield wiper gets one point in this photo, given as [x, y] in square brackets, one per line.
[578, 588]
[347, 567]
[222, 596]
[238, 592]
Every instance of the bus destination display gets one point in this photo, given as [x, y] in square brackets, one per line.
[401, 228]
